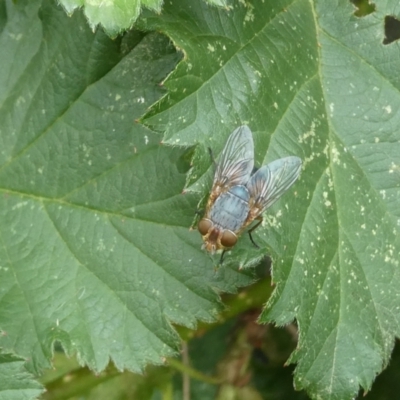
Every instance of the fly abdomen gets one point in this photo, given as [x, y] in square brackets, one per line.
[230, 210]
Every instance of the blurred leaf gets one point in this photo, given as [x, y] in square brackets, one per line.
[62, 366]
[115, 16]
[95, 249]
[77, 382]
[313, 80]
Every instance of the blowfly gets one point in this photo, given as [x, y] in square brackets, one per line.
[238, 196]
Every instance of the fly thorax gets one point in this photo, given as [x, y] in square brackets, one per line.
[230, 210]
[241, 192]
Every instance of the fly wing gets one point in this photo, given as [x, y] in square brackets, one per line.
[271, 181]
[236, 161]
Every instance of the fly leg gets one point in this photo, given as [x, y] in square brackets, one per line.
[212, 157]
[221, 260]
[260, 219]
[198, 213]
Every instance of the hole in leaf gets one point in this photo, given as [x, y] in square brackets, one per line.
[364, 7]
[183, 163]
[392, 29]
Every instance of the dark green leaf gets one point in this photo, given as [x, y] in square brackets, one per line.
[94, 229]
[311, 79]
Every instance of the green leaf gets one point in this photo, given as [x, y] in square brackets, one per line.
[310, 79]
[15, 382]
[96, 252]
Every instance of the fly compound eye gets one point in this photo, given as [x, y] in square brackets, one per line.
[204, 226]
[228, 239]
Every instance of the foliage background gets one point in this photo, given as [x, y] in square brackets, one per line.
[96, 256]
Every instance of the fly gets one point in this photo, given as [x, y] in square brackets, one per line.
[238, 197]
